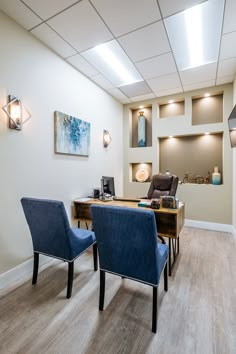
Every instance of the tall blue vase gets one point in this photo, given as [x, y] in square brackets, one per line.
[141, 130]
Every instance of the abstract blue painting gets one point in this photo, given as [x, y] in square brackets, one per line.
[72, 135]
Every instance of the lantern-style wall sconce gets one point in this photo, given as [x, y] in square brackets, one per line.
[17, 113]
[106, 138]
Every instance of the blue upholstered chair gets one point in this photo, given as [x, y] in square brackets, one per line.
[52, 235]
[128, 247]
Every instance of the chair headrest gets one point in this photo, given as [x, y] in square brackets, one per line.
[162, 182]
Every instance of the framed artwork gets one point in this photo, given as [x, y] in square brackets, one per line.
[72, 135]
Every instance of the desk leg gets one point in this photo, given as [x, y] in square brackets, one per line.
[169, 243]
[173, 250]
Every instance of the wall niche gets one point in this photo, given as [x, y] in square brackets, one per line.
[207, 110]
[195, 156]
[147, 113]
[172, 109]
[141, 172]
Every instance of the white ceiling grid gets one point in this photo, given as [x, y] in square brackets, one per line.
[71, 27]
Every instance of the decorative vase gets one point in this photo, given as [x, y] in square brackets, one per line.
[216, 176]
[141, 130]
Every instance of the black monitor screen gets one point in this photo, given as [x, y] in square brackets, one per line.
[107, 185]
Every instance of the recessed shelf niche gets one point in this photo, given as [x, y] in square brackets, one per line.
[137, 170]
[173, 109]
[207, 110]
[195, 155]
[147, 112]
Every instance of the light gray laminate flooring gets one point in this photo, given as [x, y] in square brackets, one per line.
[196, 315]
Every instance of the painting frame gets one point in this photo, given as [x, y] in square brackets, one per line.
[71, 135]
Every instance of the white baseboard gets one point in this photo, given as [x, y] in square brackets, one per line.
[210, 226]
[21, 273]
[234, 232]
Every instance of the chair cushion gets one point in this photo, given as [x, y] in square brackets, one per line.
[162, 253]
[80, 240]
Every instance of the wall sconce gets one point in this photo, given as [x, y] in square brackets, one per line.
[17, 113]
[106, 138]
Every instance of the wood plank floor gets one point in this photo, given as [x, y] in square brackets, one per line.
[197, 315]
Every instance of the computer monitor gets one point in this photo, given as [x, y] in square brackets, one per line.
[107, 185]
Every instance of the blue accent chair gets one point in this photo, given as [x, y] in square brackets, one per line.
[128, 247]
[52, 235]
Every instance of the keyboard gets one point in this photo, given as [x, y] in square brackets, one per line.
[121, 199]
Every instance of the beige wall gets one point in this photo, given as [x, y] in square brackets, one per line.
[203, 202]
[207, 110]
[171, 110]
[29, 167]
[195, 155]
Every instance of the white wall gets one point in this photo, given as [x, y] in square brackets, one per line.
[234, 167]
[28, 165]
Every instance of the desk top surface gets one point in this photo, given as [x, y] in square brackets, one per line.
[127, 204]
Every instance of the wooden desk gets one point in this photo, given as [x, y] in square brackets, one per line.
[169, 221]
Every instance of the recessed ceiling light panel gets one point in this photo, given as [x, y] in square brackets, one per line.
[195, 34]
[111, 60]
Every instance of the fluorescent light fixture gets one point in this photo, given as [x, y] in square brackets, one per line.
[195, 34]
[111, 60]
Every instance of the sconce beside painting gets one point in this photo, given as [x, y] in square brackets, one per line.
[17, 113]
[72, 135]
[106, 138]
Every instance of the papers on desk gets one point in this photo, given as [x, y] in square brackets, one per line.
[82, 199]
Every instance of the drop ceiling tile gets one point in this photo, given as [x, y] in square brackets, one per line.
[158, 66]
[81, 26]
[170, 7]
[124, 16]
[46, 9]
[125, 101]
[227, 67]
[199, 74]
[103, 82]
[230, 15]
[166, 82]
[136, 89]
[146, 42]
[115, 92]
[53, 41]
[82, 65]
[149, 96]
[228, 49]
[199, 85]
[20, 13]
[225, 80]
[168, 92]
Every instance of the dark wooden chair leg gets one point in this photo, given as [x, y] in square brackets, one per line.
[102, 289]
[95, 256]
[36, 268]
[154, 310]
[70, 279]
[166, 277]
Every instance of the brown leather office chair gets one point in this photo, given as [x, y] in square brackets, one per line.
[163, 185]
